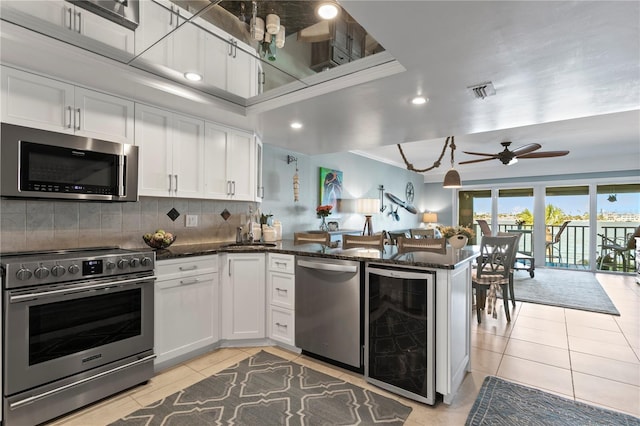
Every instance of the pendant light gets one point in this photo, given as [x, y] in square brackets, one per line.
[273, 23]
[452, 178]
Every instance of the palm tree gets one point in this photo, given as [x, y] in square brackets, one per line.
[552, 216]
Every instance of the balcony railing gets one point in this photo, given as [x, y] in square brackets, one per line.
[572, 249]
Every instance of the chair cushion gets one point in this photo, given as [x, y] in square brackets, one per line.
[488, 279]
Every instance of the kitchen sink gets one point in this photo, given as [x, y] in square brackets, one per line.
[244, 246]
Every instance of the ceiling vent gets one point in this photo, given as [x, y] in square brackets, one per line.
[481, 91]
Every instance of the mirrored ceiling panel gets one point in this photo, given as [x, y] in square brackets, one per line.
[242, 51]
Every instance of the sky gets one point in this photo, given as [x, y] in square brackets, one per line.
[571, 205]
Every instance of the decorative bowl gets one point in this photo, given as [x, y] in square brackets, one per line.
[159, 240]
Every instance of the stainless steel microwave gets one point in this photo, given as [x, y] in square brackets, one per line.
[43, 164]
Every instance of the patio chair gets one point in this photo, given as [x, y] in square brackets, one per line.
[612, 250]
[435, 245]
[492, 273]
[363, 241]
[552, 242]
[484, 227]
[311, 237]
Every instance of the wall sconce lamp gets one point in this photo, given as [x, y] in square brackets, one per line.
[367, 207]
[452, 178]
[296, 179]
[382, 206]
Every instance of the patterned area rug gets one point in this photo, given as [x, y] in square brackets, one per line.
[267, 390]
[567, 289]
[505, 403]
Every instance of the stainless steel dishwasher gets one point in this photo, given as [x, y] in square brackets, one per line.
[329, 309]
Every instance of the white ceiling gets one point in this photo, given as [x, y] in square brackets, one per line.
[567, 76]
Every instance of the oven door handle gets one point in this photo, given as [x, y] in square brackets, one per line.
[34, 398]
[70, 290]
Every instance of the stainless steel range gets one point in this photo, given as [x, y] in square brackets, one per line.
[78, 326]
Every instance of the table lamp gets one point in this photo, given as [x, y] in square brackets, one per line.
[367, 207]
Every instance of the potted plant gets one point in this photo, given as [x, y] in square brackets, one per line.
[457, 236]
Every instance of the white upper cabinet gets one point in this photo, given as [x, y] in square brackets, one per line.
[171, 153]
[230, 164]
[64, 20]
[43, 103]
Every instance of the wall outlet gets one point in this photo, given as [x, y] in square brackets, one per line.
[191, 220]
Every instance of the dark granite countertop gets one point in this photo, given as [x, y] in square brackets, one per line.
[450, 260]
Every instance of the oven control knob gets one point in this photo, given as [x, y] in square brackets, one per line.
[111, 265]
[23, 274]
[134, 262]
[146, 261]
[74, 269]
[58, 271]
[41, 272]
[122, 263]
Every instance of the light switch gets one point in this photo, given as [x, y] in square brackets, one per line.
[191, 221]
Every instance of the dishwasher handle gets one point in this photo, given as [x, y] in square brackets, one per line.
[323, 266]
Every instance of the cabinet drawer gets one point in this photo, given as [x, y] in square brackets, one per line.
[186, 266]
[281, 325]
[281, 289]
[282, 263]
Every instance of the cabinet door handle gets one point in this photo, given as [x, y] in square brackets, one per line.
[229, 267]
[233, 186]
[235, 48]
[281, 263]
[70, 12]
[170, 183]
[284, 290]
[190, 268]
[230, 47]
[171, 17]
[193, 281]
[176, 188]
[69, 110]
[79, 26]
[281, 325]
[78, 122]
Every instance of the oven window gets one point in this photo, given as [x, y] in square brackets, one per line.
[63, 328]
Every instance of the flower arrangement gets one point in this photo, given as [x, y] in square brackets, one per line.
[450, 231]
[324, 211]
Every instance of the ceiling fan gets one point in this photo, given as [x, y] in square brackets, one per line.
[511, 157]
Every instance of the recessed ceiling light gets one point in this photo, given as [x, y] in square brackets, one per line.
[296, 125]
[192, 76]
[419, 100]
[327, 10]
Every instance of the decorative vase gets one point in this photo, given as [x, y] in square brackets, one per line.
[458, 241]
[323, 224]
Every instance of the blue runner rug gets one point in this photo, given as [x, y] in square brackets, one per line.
[567, 289]
[505, 403]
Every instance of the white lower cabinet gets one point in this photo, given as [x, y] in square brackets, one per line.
[242, 277]
[281, 298]
[186, 306]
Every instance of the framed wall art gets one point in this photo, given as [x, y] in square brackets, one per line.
[330, 186]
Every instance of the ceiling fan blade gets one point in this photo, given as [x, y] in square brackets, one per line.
[477, 161]
[526, 149]
[544, 154]
[480, 153]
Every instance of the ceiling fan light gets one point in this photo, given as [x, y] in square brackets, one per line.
[514, 160]
[327, 10]
[452, 179]
[273, 24]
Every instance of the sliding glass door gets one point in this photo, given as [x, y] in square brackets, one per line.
[515, 214]
[473, 205]
[567, 226]
[618, 217]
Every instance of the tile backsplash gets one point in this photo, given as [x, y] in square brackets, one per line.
[45, 225]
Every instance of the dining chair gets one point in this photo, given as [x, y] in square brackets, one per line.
[422, 233]
[435, 245]
[311, 237]
[552, 242]
[393, 236]
[363, 241]
[611, 250]
[517, 236]
[493, 267]
[484, 227]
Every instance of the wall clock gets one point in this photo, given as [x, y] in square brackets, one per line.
[409, 192]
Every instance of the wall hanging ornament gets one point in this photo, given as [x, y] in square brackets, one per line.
[296, 179]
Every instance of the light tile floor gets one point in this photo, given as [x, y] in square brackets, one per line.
[590, 357]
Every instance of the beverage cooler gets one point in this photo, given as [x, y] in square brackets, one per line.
[400, 331]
